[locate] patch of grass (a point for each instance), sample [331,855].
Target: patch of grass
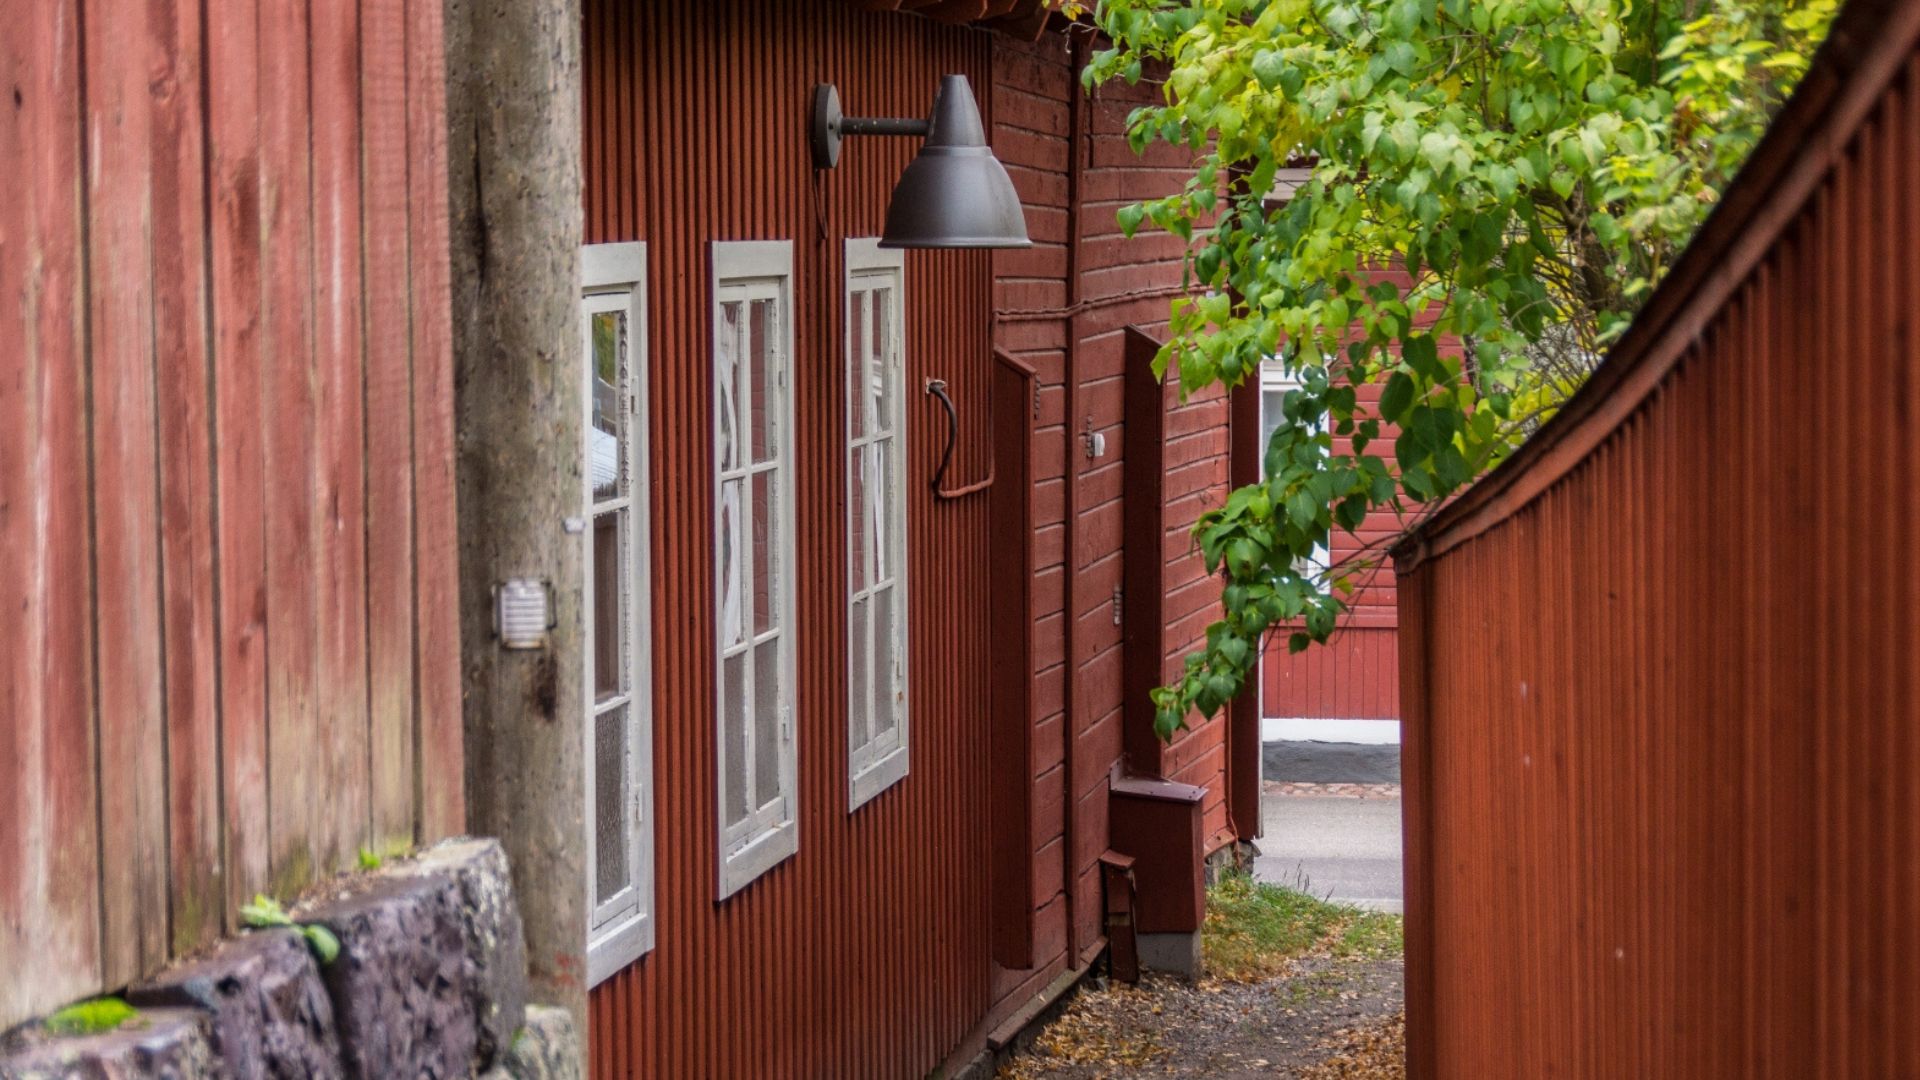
[91,1017]
[1254,930]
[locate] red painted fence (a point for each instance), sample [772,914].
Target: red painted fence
[1662,719]
[230,655]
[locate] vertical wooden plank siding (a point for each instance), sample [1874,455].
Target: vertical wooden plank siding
[177,265]
[118,48]
[1010,600]
[49,859]
[296,757]
[389,421]
[340,435]
[1144,619]
[240,420]
[1354,676]
[868,953]
[1660,705]
[211,333]
[439,756]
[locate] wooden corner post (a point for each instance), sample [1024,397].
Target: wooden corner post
[514,164]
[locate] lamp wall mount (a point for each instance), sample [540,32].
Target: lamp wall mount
[829,125]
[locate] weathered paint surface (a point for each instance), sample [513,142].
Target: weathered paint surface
[221,331]
[1661,709]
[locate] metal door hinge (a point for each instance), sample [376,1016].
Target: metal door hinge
[1116,605]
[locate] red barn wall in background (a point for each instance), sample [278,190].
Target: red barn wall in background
[226,470]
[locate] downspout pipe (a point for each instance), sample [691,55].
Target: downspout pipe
[1077,130]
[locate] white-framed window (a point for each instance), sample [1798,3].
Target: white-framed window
[619,758]
[876,520]
[753,557]
[1275,381]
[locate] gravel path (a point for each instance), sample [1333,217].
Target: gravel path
[1324,1017]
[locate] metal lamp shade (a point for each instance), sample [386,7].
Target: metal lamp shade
[955,194]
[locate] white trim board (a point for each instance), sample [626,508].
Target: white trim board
[1316,729]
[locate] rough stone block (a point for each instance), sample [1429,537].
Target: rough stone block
[271,1016]
[546,1048]
[401,986]
[495,941]
[159,1044]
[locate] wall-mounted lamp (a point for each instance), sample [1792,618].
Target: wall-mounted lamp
[955,194]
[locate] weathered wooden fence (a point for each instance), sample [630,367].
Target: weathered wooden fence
[1659,672]
[230,653]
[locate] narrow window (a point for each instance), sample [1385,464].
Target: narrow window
[617,601]
[753,557]
[1275,382]
[876,522]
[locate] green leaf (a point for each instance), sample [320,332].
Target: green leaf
[1268,65]
[1397,397]
[265,911]
[326,947]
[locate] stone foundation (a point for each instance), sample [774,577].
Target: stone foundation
[430,983]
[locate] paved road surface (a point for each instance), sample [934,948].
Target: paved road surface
[1345,849]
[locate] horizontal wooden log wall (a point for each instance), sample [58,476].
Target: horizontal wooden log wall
[1064,306]
[1662,719]
[230,656]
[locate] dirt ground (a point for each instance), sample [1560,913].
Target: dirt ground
[1327,1008]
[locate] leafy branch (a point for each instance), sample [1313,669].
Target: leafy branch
[1494,186]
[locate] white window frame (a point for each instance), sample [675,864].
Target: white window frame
[744,271]
[621,930]
[876,766]
[1275,378]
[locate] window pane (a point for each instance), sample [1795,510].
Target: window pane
[610,800]
[733,713]
[766,556]
[726,383]
[1272,403]
[856,360]
[764,373]
[609,603]
[885,686]
[766,719]
[732,599]
[606,450]
[880,482]
[880,377]
[857,519]
[859,646]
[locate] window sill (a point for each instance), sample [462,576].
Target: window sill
[876,778]
[617,947]
[739,870]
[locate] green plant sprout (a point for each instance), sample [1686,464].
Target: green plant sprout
[265,911]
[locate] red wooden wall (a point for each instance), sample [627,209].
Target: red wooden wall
[1063,307]
[1662,715]
[868,952]
[692,136]
[231,656]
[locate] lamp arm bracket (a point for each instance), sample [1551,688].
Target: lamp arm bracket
[827,125]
